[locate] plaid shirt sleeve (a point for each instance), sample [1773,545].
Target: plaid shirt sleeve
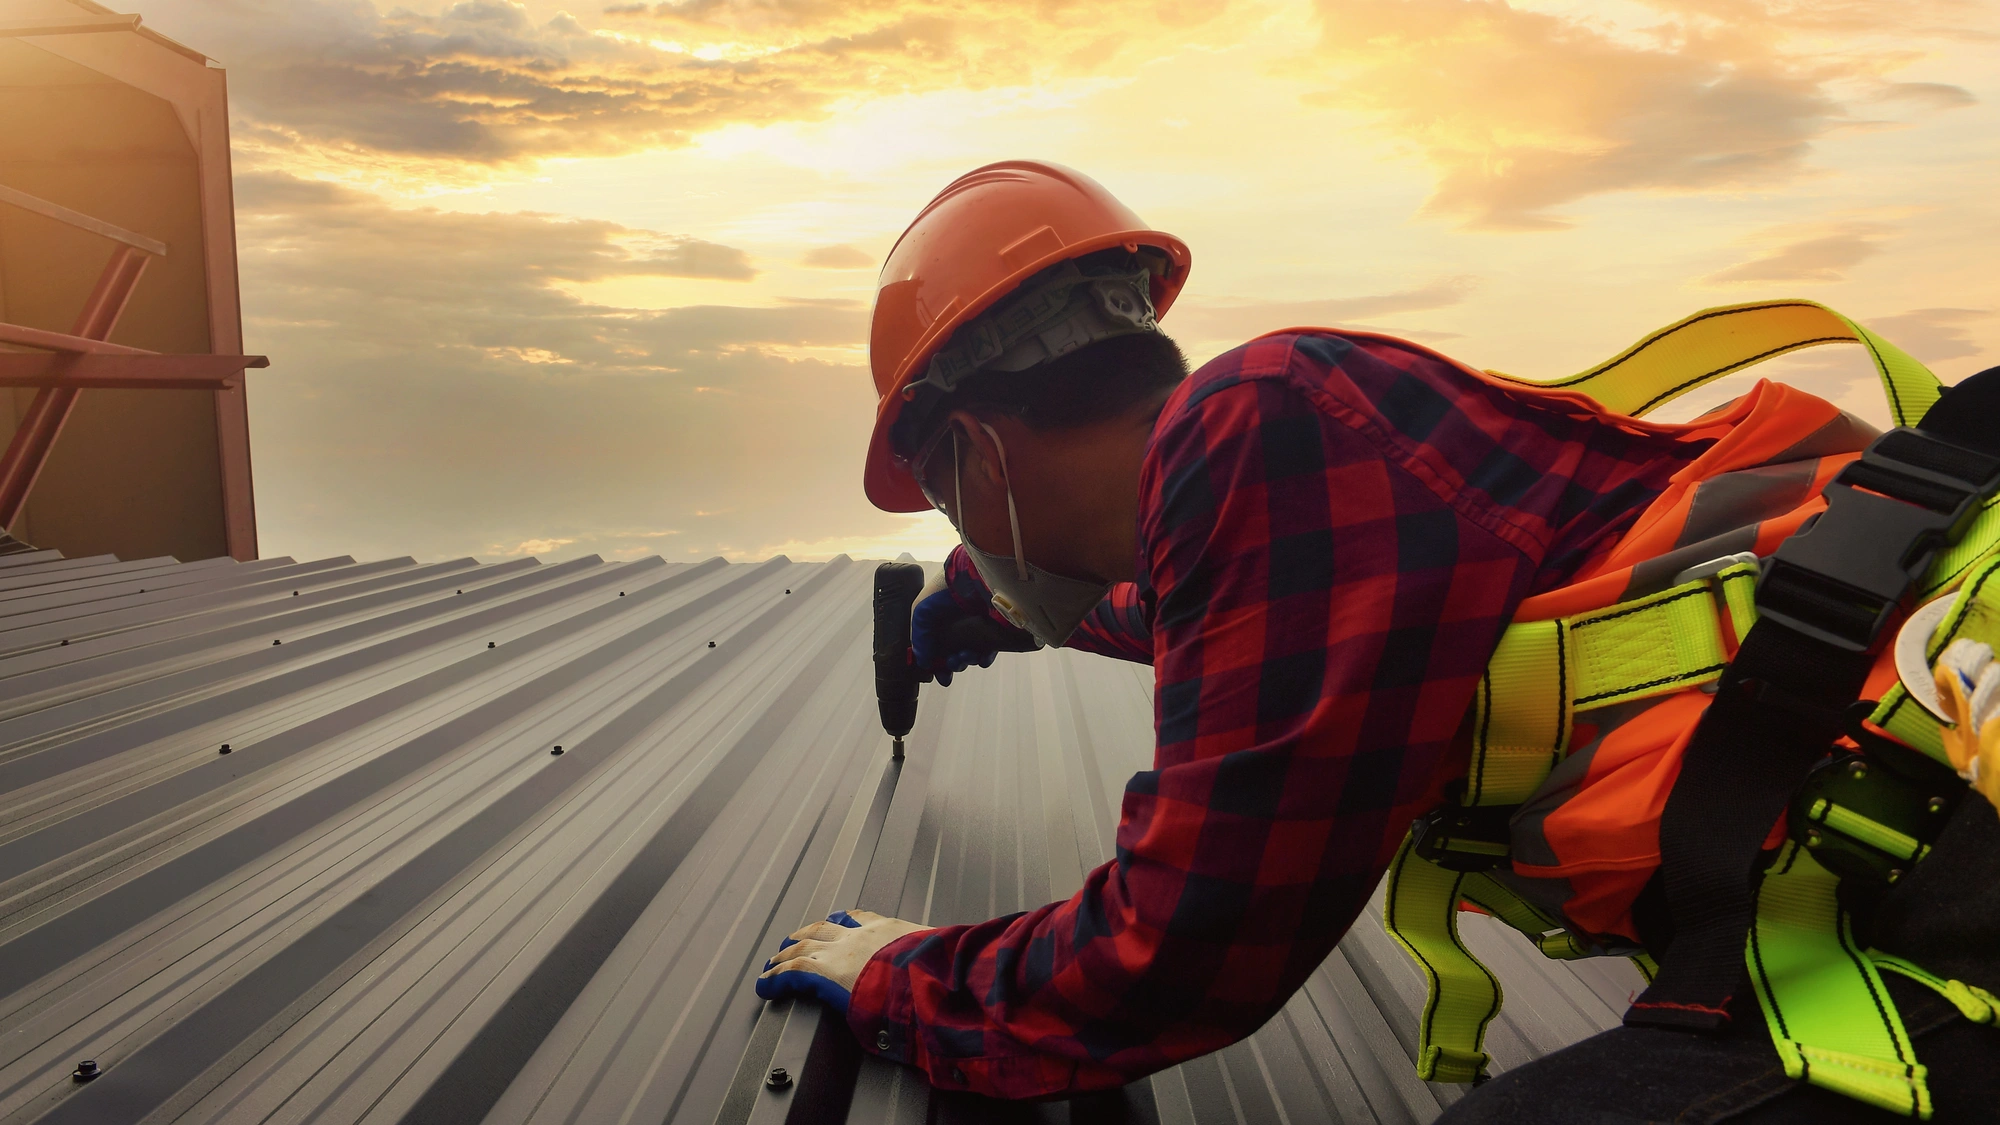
[1333,536]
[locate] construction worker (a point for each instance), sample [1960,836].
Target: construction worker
[1508,643]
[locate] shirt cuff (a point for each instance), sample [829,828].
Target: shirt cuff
[879,1009]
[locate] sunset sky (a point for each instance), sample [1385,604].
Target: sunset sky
[596,279]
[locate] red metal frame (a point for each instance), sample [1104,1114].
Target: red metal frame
[83,358]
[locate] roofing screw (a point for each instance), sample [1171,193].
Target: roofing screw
[489,644]
[621,593]
[1812,838]
[881,1040]
[295,593]
[65,642]
[276,641]
[787,591]
[778,1078]
[556,752]
[86,1070]
[458,591]
[711,644]
[225,749]
[1935,804]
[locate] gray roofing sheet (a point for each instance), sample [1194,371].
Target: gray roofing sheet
[390,901]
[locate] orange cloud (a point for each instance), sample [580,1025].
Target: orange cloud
[1816,253]
[484,82]
[1522,111]
[837,258]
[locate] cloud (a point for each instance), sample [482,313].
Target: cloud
[419,279]
[841,257]
[532,547]
[1929,95]
[1236,320]
[1814,254]
[482,81]
[1933,335]
[437,388]
[1520,111]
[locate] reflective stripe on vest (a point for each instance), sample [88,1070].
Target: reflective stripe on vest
[1543,672]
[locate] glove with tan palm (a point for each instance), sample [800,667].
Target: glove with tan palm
[826,958]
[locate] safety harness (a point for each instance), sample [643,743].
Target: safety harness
[1786,645]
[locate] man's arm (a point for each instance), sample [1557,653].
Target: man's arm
[1323,617]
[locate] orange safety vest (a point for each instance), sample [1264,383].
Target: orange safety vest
[1587,840]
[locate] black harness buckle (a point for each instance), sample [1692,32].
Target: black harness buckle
[1888,515]
[1458,838]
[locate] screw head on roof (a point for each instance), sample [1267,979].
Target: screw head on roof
[458,591]
[489,644]
[276,641]
[86,1070]
[787,591]
[65,642]
[295,593]
[621,593]
[225,749]
[778,1078]
[556,751]
[711,644]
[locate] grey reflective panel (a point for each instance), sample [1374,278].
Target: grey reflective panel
[390,901]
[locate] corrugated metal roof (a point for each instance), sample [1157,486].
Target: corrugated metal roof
[389,900]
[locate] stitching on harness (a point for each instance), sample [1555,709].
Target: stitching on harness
[1662,682]
[1702,589]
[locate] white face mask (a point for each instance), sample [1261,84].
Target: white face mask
[1049,606]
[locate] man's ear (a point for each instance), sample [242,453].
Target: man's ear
[982,460]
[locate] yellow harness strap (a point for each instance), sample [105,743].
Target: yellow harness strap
[1420,910]
[1543,672]
[1830,1018]
[1721,341]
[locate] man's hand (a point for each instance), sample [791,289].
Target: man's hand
[826,958]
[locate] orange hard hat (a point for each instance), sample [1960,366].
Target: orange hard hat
[990,230]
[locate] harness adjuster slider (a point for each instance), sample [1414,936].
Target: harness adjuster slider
[1460,838]
[1870,817]
[1887,515]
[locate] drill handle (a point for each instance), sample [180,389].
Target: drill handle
[897,585]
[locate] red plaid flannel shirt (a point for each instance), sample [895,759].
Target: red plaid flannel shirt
[1333,530]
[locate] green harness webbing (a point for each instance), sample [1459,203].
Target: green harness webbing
[1830,1018]
[1543,672]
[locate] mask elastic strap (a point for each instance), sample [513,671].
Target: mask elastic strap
[1013,517]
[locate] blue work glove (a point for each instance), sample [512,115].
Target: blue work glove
[941,643]
[824,959]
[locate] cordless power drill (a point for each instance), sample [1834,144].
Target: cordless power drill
[897,587]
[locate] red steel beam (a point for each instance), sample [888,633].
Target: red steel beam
[137,372]
[62,341]
[36,434]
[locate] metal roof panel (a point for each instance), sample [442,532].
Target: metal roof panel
[390,901]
